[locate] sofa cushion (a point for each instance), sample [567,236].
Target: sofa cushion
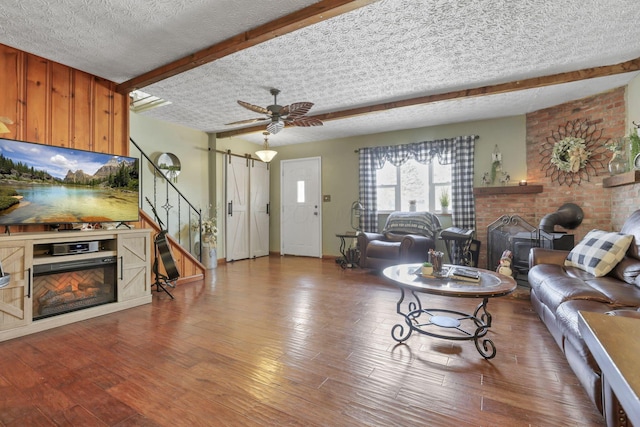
[632,226]
[599,252]
[383,249]
[627,270]
[619,293]
[553,286]
[393,237]
[567,318]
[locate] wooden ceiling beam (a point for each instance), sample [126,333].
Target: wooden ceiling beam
[532,83]
[317,12]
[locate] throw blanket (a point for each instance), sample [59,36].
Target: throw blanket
[423,223]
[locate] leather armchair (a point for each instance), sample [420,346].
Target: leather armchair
[406,238]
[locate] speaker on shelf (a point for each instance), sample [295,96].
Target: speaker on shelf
[74,248]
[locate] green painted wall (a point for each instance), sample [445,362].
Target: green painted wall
[339,161]
[190,146]
[340,165]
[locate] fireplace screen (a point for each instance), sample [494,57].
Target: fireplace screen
[511,232]
[501,234]
[68,286]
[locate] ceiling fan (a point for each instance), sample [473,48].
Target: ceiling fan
[279,116]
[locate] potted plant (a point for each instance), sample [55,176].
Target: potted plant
[444,200]
[427,269]
[634,148]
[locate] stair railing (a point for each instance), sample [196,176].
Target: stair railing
[182,220]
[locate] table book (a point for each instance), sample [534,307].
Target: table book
[464,274]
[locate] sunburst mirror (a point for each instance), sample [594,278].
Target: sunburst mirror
[574,152]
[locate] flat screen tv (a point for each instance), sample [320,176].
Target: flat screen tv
[42,184]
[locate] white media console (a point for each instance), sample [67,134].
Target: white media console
[34,263]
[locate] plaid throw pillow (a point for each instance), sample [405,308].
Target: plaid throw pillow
[599,252]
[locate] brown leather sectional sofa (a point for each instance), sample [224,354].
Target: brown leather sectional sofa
[558,293]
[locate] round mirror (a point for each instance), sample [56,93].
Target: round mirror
[169,164]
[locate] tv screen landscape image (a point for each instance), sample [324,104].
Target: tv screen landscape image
[43,184]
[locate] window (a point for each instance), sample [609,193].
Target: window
[300,187]
[396,186]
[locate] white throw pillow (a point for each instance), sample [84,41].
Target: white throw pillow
[599,252]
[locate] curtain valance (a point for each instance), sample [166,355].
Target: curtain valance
[457,152]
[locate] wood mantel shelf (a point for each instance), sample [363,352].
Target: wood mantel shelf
[626,178]
[507,189]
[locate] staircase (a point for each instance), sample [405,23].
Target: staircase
[181,219]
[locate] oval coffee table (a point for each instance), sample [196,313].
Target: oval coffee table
[444,323]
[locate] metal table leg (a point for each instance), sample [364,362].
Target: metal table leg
[430,321]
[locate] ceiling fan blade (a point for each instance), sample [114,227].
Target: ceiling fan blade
[306,122]
[275,127]
[298,109]
[246,122]
[254,108]
[278,115]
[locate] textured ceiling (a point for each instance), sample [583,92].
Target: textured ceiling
[387,51]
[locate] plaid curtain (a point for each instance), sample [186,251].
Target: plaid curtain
[457,151]
[463,204]
[371,158]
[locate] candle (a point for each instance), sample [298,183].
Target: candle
[523,182]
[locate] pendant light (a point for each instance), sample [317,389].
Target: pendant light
[266,155]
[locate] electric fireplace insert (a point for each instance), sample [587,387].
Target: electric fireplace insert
[62,287]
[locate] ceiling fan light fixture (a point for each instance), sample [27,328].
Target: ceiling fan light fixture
[280,116]
[266,155]
[275,126]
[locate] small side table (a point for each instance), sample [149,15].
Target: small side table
[350,257]
[614,342]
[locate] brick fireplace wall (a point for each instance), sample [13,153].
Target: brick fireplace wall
[604,208]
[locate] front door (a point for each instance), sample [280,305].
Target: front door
[301,216]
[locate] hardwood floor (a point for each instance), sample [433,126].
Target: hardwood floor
[287,341]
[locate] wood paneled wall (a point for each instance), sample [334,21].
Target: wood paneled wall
[53,104]
[50,103]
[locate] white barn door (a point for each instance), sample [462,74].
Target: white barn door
[259,209]
[236,207]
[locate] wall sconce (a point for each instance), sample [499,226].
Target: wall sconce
[265,154]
